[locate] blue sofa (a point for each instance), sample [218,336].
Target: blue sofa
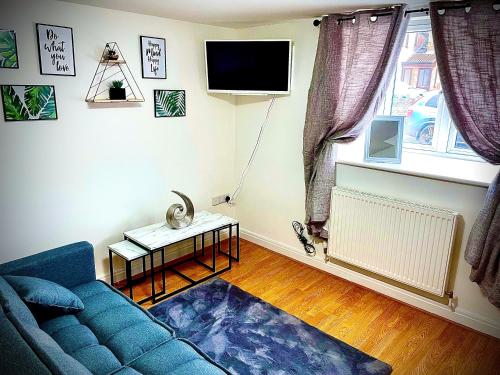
[112,335]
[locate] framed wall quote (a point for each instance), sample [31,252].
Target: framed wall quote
[55,50]
[153,57]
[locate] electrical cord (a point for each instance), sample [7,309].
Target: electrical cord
[252,156]
[299,231]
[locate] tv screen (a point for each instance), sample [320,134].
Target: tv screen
[248,66]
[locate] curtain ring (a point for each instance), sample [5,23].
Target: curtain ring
[373,18]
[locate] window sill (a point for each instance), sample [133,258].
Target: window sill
[424,164]
[449,155]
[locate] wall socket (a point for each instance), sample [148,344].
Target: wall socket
[219,199]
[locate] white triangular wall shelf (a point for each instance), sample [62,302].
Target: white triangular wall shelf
[113,70]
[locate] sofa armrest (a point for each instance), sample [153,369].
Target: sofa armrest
[69,265]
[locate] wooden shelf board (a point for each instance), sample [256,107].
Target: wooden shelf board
[112,61]
[114,101]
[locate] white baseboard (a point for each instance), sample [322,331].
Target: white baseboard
[459,316]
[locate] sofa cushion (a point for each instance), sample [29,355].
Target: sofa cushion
[125,370]
[199,366]
[45,295]
[174,357]
[10,302]
[136,340]
[48,350]
[53,325]
[98,359]
[84,291]
[75,337]
[99,303]
[111,321]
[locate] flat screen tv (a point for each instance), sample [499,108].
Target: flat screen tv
[248,66]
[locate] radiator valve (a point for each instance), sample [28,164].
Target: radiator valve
[325,251]
[452,302]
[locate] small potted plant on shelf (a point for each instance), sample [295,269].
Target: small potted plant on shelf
[116,91]
[112,55]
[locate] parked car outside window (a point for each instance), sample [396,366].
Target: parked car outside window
[420,119]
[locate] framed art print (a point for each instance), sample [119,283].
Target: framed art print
[29,102]
[384,139]
[170,103]
[55,50]
[8,49]
[153,57]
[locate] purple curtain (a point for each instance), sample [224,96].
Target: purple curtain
[467,46]
[353,63]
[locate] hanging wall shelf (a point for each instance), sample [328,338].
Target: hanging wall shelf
[109,70]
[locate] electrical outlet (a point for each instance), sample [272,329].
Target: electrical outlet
[219,199]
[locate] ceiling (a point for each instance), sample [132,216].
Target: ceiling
[239,13]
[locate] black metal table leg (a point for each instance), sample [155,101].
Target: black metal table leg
[144,267]
[237,257]
[163,269]
[203,244]
[111,276]
[213,251]
[128,271]
[230,245]
[238,242]
[151,257]
[194,247]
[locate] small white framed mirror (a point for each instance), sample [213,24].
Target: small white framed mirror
[384,140]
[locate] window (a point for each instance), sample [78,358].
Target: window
[424,79]
[406,76]
[415,93]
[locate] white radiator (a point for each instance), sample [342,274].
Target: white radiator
[404,241]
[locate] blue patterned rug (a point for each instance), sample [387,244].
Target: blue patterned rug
[249,336]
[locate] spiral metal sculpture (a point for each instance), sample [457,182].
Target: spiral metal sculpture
[178,217]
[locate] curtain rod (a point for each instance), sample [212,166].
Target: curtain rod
[317,22]
[384,12]
[426,10]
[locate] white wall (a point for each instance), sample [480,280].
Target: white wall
[100,170]
[274,193]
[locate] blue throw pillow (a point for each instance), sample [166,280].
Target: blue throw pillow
[45,296]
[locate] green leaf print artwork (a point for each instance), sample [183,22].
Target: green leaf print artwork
[170,103]
[24,103]
[8,49]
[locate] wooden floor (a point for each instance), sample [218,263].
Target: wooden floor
[411,341]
